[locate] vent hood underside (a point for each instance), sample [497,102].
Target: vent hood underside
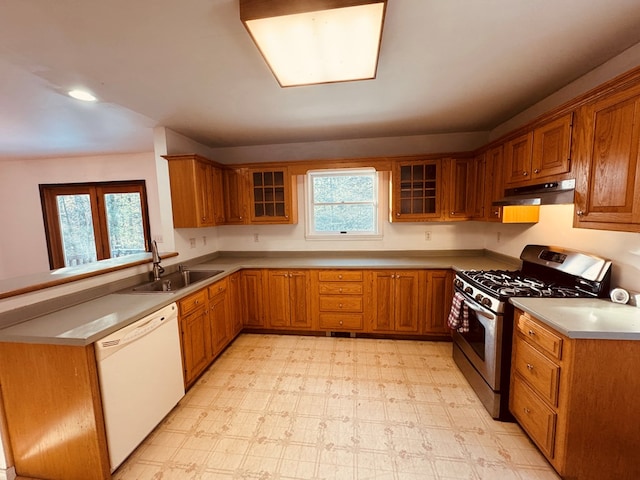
[551,193]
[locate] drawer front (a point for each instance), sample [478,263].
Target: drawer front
[218,287]
[193,301]
[540,336]
[340,275]
[338,303]
[539,372]
[337,288]
[341,321]
[537,418]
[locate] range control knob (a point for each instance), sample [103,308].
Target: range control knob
[479,297]
[486,302]
[468,290]
[458,283]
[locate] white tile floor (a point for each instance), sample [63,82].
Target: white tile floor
[298,407]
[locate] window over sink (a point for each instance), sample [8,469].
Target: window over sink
[87,222]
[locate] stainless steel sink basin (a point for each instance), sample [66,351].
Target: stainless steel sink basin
[175,281]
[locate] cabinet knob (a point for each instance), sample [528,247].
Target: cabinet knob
[340,305]
[398,214]
[527,411]
[580,213]
[453,213]
[537,170]
[197,302]
[496,212]
[529,367]
[340,277]
[340,322]
[340,290]
[531,333]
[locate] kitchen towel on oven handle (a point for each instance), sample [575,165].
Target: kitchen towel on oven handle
[459,314]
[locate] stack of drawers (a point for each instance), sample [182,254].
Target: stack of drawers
[341,300]
[535,382]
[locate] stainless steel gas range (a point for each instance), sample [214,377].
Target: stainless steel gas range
[482,342]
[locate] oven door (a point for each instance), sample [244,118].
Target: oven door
[482,344]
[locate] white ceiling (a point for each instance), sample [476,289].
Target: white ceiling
[445,66]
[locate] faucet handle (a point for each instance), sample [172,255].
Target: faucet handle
[182,268]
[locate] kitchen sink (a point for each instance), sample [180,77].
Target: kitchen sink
[174,281]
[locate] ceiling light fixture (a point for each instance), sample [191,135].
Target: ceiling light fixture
[316,41]
[82,95]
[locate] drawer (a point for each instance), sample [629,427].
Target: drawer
[339,303]
[193,301]
[338,288]
[341,321]
[537,370]
[340,275]
[537,418]
[541,337]
[218,287]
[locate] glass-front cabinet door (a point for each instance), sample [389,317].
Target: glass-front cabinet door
[271,196]
[416,191]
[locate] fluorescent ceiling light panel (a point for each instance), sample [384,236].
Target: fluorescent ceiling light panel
[321,46]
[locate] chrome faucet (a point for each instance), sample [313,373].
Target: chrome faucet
[157,269]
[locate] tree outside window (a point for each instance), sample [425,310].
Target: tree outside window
[88,222]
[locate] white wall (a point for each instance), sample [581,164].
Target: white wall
[354,148]
[397,236]
[23,239]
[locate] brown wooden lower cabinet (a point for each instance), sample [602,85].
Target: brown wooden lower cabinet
[251,295]
[288,305]
[577,399]
[438,304]
[54,413]
[206,327]
[397,300]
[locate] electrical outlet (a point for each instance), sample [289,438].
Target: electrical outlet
[192,242]
[427,236]
[256,237]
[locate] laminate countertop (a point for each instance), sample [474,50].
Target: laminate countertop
[87,322]
[584,318]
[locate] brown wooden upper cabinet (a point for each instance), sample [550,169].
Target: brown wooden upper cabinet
[196,191]
[539,155]
[608,179]
[235,203]
[464,188]
[416,191]
[494,183]
[273,196]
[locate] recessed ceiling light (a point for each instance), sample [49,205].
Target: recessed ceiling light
[82,95]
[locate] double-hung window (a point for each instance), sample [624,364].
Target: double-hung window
[342,203]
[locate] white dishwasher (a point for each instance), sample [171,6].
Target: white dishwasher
[140,371]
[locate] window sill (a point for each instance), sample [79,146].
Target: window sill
[343,237]
[12,287]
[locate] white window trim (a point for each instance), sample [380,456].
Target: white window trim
[310,234]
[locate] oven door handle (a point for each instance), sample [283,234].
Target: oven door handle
[481,311]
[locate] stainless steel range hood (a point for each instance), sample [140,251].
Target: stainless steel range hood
[551,193]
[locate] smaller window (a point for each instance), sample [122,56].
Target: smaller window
[342,203]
